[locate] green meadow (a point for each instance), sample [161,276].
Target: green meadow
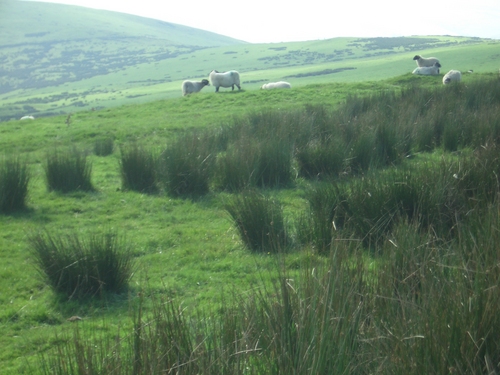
[389,285]
[59,59]
[348,225]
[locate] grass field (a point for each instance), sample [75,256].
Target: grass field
[403,297]
[186,250]
[68,59]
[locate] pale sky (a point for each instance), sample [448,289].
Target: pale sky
[274,21]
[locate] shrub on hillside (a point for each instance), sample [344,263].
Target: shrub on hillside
[138,168]
[260,222]
[235,168]
[320,160]
[81,267]
[14,179]
[68,170]
[186,165]
[103,146]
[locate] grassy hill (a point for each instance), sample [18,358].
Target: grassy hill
[188,250]
[43,45]
[62,59]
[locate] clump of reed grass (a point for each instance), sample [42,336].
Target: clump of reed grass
[259,221]
[321,160]
[235,168]
[307,323]
[138,169]
[186,165]
[68,170]
[14,180]
[79,267]
[103,146]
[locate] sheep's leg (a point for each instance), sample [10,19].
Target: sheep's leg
[239,87]
[232,87]
[216,88]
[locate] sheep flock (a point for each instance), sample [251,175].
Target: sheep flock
[429,66]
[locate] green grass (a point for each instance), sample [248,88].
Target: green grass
[129,61]
[188,251]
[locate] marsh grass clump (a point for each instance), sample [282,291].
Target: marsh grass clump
[68,170]
[272,328]
[274,164]
[138,169]
[235,168]
[82,267]
[321,160]
[103,146]
[259,221]
[186,165]
[14,180]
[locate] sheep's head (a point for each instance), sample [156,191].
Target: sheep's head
[205,82]
[437,64]
[417,57]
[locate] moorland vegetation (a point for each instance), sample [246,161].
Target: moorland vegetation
[60,59]
[356,235]
[349,225]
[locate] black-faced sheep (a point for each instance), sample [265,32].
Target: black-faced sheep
[428,70]
[227,79]
[276,85]
[452,76]
[190,87]
[425,61]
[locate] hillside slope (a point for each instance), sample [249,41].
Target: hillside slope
[59,59]
[43,44]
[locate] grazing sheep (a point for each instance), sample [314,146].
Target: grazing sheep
[27,118]
[428,70]
[190,87]
[425,61]
[452,76]
[276,85]
[227,79]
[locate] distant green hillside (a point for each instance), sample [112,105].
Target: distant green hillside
[43,44]
[57,59]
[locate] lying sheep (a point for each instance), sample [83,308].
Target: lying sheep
[425,61]
[428,70]
[227,79]
[190,87]
[452,76]
[276,85]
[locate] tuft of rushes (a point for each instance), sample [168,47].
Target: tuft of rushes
[14,179]
[259,220]
[68,170]
[103,146]
[82,267]
[186,165]
[138,169]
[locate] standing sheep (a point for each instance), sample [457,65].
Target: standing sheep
[276,85]
[227,79]
[190,87]
[452,76]
[428,70]
[425,61]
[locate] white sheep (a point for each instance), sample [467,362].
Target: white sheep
[227,79]
[425,61]
[190,87]
[27,118]
[452,76]
[428,70]
[276,85]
